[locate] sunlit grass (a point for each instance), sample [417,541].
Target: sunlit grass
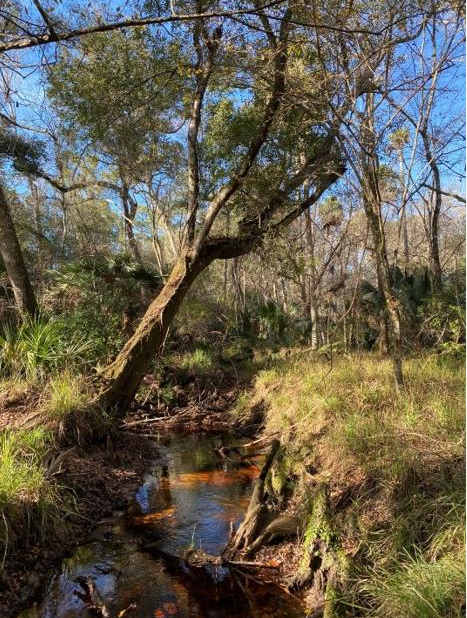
[201,360]
[421,589]
[66,392]
[347,422]
[29,500]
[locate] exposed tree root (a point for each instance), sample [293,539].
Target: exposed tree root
[324,564]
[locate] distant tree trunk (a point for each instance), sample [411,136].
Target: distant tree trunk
[129,210]
[373,212]
[313,302]
[405,238]
[435,262]
[14,262]
[391,301]
[314,317]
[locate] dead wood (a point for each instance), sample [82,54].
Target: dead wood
[258,515]
[92,597]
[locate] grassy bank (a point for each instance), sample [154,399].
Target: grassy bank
[394,466]
[44,404]
[31,503]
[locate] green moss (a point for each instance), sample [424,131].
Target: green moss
[322,550]
[320,536]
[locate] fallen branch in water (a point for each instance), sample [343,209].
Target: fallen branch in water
[258,565]
[92,597]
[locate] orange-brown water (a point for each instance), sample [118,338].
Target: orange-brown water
[189,499]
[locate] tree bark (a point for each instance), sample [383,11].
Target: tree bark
[125,373]
[314,317]
[129,210]
[14,262]
[435,262]
[373,212]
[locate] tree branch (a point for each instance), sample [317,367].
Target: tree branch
[44,39]
[278,91]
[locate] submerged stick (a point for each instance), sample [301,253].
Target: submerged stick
[92,597]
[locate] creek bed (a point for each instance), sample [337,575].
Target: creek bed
[188,500]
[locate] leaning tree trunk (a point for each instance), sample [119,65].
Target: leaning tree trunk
[14,262]
[124,374]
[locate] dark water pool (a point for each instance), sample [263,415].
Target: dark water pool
[187,500]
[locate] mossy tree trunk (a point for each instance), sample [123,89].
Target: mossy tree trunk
[123,376]
[324,563]
[13,260]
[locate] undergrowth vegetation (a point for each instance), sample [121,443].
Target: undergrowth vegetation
[41,381]
[36,347]
[400,459]
[30,501]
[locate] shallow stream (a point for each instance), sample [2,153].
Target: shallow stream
[187,500]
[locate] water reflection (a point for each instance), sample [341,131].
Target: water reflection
[189,499]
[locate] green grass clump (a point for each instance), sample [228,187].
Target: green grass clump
[30,502]
[420,588]
[68,409]
[66,394]
[201,360]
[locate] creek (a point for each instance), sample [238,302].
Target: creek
[187,500]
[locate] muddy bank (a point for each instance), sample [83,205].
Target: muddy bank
[98,482]
[207,411]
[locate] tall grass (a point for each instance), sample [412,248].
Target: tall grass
[30,502]
[403,457]
[420,588]
[66,392]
